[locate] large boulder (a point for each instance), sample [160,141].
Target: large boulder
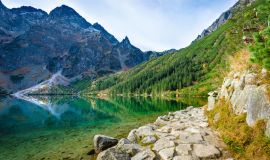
[258,106]
[102,142]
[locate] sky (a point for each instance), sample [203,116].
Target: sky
[149,24]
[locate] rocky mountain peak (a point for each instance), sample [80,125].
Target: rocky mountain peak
[66,14]
[126,41]
[63,11]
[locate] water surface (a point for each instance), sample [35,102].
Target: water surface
[59,127]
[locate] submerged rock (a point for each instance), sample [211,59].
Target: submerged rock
[102,142]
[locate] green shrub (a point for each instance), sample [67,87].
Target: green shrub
[260,50]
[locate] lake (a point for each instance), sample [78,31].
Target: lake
[62,127]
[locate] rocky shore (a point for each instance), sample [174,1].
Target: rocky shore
[181,135]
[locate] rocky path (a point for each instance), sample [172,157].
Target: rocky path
[182,135]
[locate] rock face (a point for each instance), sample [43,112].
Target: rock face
[246,95]
[102,142]
[61,40]
[182,135]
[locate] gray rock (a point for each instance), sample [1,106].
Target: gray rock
[167,153]
[149,140]
[250,78]
[144,155]
[126,146]
[132,136]
[113,154]
[264,72]
[183,149]
[206,151]
[162,144]
[192,130]
[191,138]
[211,103]
[145,131]
[102,142]
[258,105]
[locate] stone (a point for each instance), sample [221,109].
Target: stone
[258,105]
[144,155]
[145,131]
[192,130]
[160,122]
[206,151]
[163,143]
[250,78]
[165,129]
[203,124]
[167,153]
[183,158]
[126,146]
[170,137]
[132,136]
[183,149]
[149,140]
[113,154]
[264,72]
[102,142]
[189,108]
[191,138]
[211,103]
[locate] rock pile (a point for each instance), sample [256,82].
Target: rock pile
[182,135]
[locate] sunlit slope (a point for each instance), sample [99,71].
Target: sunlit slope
[195,69]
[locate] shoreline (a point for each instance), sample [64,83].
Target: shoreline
[183,134]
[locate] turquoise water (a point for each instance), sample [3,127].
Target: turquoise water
[63,127]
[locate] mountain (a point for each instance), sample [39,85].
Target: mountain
[34,45]
[196,69]
[224,17]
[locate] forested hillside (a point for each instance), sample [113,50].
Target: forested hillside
[197,68]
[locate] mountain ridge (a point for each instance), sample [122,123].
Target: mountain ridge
[59,40]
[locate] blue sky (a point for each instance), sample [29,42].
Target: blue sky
[149,24]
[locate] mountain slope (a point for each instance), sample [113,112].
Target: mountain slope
[201,65]
[34,45]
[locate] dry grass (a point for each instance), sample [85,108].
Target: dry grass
[243,141]
[240,61]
